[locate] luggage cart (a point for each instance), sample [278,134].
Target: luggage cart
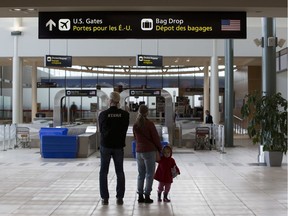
[22,137]
[202,138]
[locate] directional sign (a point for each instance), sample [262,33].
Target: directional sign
[74,93]
[145,92]
[142,24]
[46,84]
[150,60]
[58,61]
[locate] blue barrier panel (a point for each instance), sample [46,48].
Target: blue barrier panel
[58,146]
[53,131]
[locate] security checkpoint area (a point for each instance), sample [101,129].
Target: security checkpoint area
[84,136]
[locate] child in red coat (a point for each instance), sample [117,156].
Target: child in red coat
[165,173]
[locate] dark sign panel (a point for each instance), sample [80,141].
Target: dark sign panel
[46,84]
[145,92]
[150,60]
[58,61]
[88,93]
[142,24]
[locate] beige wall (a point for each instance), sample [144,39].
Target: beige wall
[246,79]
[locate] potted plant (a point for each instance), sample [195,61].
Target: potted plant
[267,124]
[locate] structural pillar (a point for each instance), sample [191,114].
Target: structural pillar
[34,91]
[16,78]
[206,94]
[214,87]
[269,44]
[229,93]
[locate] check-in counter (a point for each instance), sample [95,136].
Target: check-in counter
[87,145]
[128,152]
[87,142]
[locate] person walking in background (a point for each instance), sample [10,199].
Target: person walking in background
[113,126]
[147,143]
[165,172]
[208,118]
[73,112]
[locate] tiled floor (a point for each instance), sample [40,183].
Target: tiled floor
[210,184]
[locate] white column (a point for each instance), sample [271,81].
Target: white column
[214,96]
[34,91]
[21,90]
[16,85]
[192,102]
[206,95]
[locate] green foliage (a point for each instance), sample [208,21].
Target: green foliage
[267,120]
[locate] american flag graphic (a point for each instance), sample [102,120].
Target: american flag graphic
[230,25]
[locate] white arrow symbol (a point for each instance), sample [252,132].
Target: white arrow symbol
[50,23]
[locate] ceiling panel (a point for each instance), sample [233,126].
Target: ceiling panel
[255,8]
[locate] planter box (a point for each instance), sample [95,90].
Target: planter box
[273,159]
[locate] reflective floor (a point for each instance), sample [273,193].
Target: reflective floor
[210,184]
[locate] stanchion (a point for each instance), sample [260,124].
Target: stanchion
[9,134]
[222,140]
[4,138]
[217,137]
[12,135]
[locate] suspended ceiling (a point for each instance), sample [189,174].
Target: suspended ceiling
[255,8]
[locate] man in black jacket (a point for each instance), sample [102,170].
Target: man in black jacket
[209,118]
[113,125]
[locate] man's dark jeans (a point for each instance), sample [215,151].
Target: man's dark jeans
[118,156]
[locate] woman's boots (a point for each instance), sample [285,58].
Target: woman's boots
[147,199]
[159,197]
[141,198]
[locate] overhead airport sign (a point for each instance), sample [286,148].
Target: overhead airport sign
[46,84]
[142,24]
[58,61]
[80,92]
[145,92]
[150,60]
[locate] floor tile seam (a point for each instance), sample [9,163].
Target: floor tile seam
[202,195]
[59,204]
[258,188]
[67,197]
[232,192]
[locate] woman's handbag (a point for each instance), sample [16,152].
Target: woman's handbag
[174,171]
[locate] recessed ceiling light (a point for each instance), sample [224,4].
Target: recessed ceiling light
[25,10]
[15,9]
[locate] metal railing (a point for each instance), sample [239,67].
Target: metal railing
[7,136]
[217,136]
[238,125]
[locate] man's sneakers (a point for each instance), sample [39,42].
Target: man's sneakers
[119,201]
[105,201]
